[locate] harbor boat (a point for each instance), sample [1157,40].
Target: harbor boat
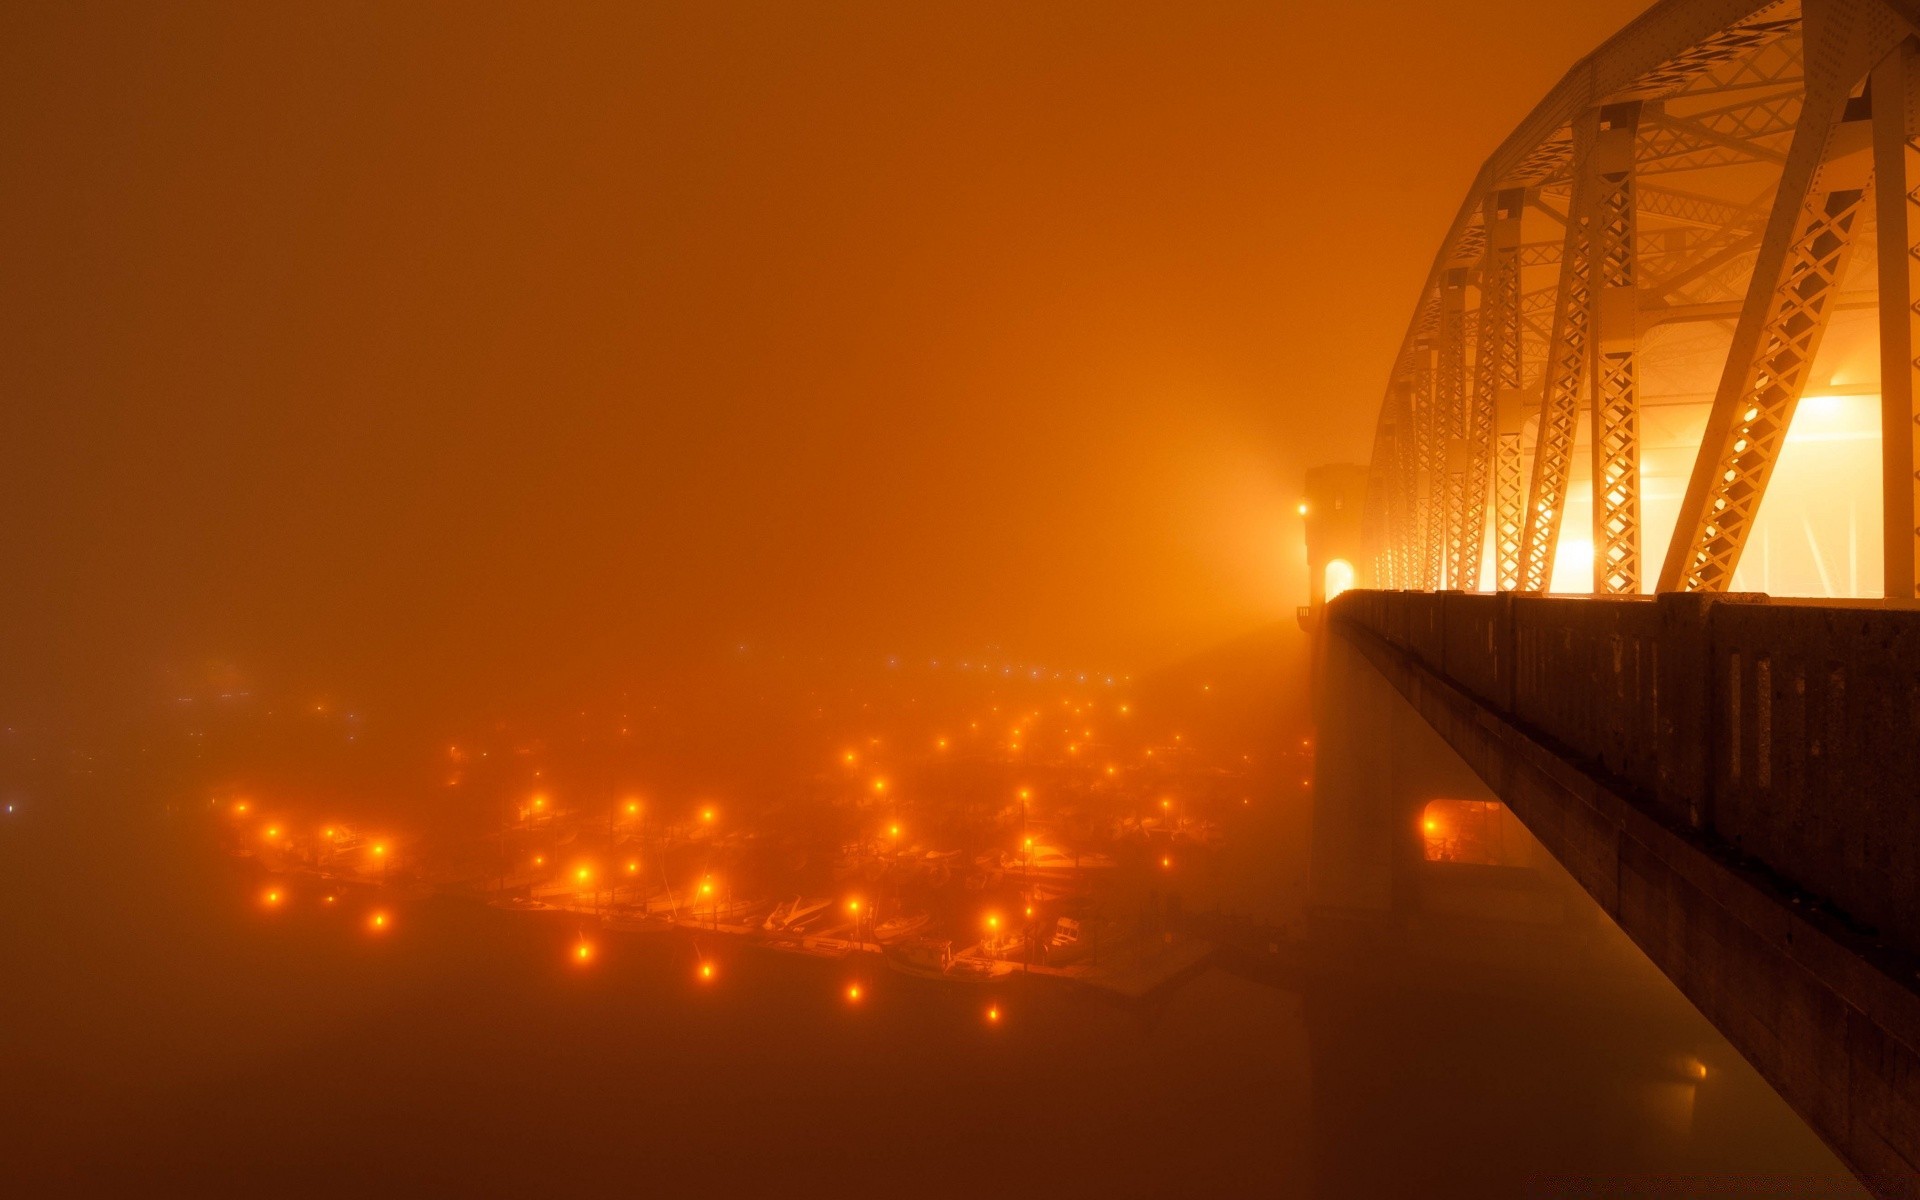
[926,958]
[708,911]
[930,958]
[1008,947]
[896,927]
[976,970]
[1067,944]
[793,916]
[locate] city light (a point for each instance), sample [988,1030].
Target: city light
[378,922]
[706,971]
[583,953]
[272,897]
[993,1014]
[853,992]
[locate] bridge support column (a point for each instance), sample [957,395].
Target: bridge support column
[1376,765]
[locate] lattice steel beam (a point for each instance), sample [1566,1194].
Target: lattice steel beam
[1429,442]
[1565,373]
[1614,323]
[1817,208]
[1496,372]
[1450,396]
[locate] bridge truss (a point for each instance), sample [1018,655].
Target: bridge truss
[1685,205]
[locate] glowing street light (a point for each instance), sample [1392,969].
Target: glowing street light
[706,972]
[583,953]
[853,993]
[993,1014]
[378,922]
[272,898]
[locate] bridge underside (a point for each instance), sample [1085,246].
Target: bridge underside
[1828,1016]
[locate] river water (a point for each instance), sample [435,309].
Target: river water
[165,1033]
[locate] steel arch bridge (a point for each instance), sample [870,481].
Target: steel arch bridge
[1678,223]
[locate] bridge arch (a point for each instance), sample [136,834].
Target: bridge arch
[1704,240]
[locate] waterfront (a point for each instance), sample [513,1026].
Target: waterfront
[166,1033]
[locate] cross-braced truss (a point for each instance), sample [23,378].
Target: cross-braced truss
[1684,203]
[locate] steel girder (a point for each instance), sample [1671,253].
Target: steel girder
[1613,326]
[1496,375]
[1450,402]
[1712,163]
[1810,234]
[1565,371]
[1895,93]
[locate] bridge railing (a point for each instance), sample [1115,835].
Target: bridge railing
[1786,730]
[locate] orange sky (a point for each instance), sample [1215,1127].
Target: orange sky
[453,349]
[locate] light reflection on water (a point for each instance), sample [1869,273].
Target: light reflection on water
[172,1033]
